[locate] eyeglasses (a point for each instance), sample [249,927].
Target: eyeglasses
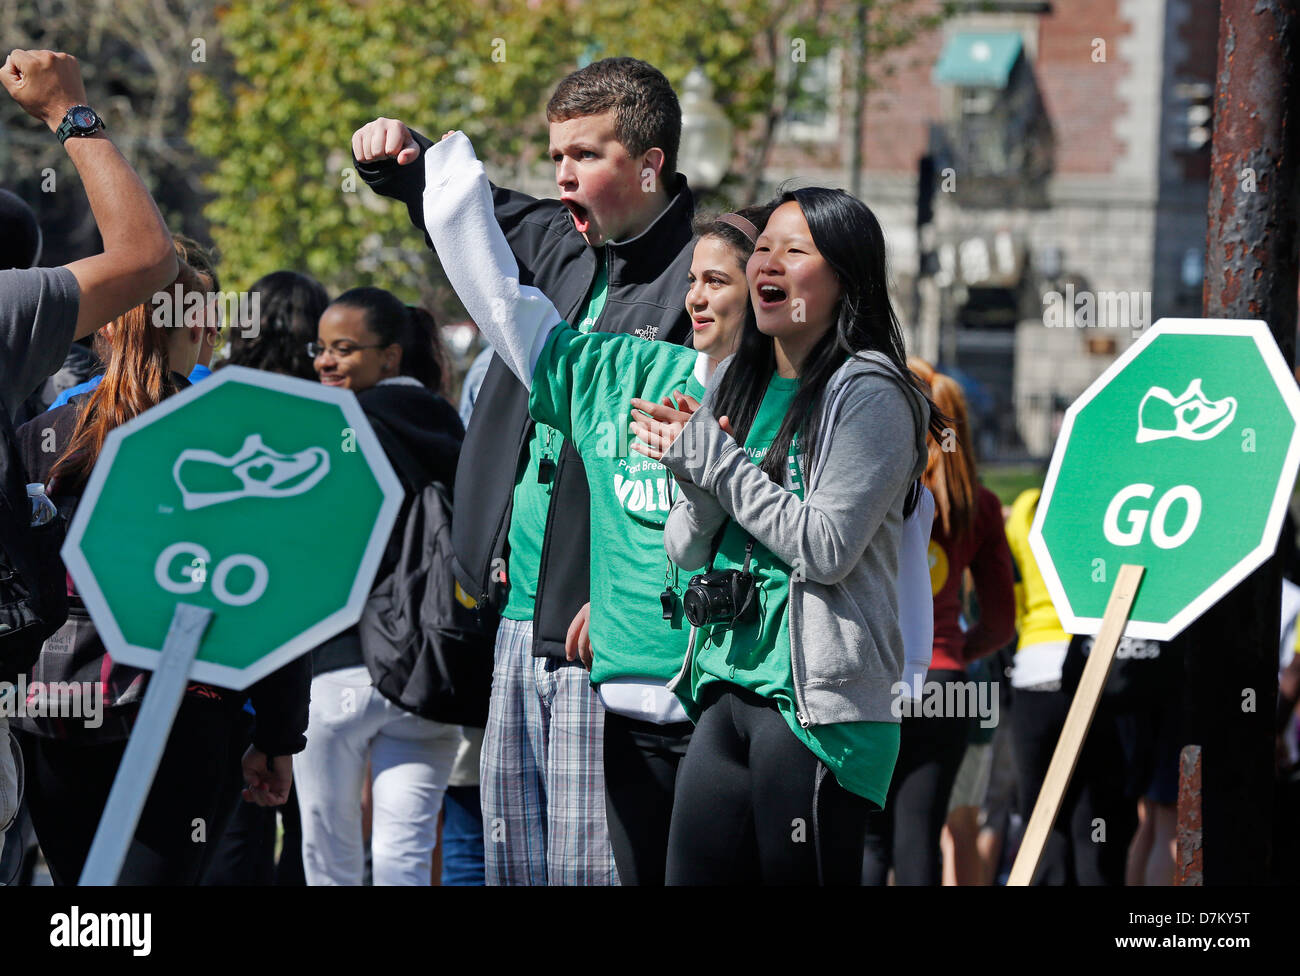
[338,350]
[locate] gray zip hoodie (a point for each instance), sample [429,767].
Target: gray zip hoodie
[841,540]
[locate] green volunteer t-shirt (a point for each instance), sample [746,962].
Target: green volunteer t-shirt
[532,495]
[582,386]
[756,654]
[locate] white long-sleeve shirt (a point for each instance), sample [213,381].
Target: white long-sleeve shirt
[458,216]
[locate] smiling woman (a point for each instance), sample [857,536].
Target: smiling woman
[367,336]
[369,342]
[718,294]
[358,339]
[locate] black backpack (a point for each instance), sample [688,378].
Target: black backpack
[33,584]
[427,648]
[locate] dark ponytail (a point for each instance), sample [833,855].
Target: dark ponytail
[423,356]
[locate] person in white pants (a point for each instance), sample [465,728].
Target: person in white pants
[371,344]
[411,760]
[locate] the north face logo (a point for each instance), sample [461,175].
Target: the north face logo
[650,332]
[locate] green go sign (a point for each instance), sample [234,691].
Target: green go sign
[265,499]
[1180,458]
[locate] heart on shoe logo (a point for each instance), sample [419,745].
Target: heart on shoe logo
[1191,416]
[263,473]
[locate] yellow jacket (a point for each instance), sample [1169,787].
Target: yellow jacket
[1036,618]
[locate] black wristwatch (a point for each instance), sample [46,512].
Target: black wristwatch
[80,120]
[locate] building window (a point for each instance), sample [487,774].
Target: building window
[812,115]
[995,131]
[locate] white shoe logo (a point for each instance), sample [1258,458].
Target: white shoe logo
[1190,416]
[264,473]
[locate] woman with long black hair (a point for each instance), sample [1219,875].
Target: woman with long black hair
[290,304]
[797,472]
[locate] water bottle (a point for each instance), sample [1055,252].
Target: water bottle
[43,509]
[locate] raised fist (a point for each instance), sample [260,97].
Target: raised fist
[384,139]
[45,83]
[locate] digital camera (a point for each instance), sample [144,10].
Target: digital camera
[719,597]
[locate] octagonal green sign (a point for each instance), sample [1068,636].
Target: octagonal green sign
[264,498]
[1181,458]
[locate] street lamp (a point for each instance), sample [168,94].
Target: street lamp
[705,150]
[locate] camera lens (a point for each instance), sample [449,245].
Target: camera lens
[696,607]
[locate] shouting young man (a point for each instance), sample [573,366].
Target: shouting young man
[613,254]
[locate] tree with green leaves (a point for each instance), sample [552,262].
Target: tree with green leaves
[136,57]
[300,79]
[288,84]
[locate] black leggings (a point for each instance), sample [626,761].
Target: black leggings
[906,833]
[183,818]
[755,806]
[641,762]
[245,855]
[1089,841]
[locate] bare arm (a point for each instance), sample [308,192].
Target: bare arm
[138,258]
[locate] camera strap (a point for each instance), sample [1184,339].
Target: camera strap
[668,598]
[749,594]
[744,569]
[717,544]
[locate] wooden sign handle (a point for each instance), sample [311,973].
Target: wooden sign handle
[1077,721]
[144,749]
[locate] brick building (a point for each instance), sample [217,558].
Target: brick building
[1069,142]
[1070,155]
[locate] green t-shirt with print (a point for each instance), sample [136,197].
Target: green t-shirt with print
[532,495]
[582,386]
[756,654]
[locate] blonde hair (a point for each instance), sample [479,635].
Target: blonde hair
[137,376]
[950,468]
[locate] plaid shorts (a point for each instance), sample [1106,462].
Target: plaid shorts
[542,772]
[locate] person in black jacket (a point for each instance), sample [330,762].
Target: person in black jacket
[372,344]
[290,304]
[71,765]
[613,254]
